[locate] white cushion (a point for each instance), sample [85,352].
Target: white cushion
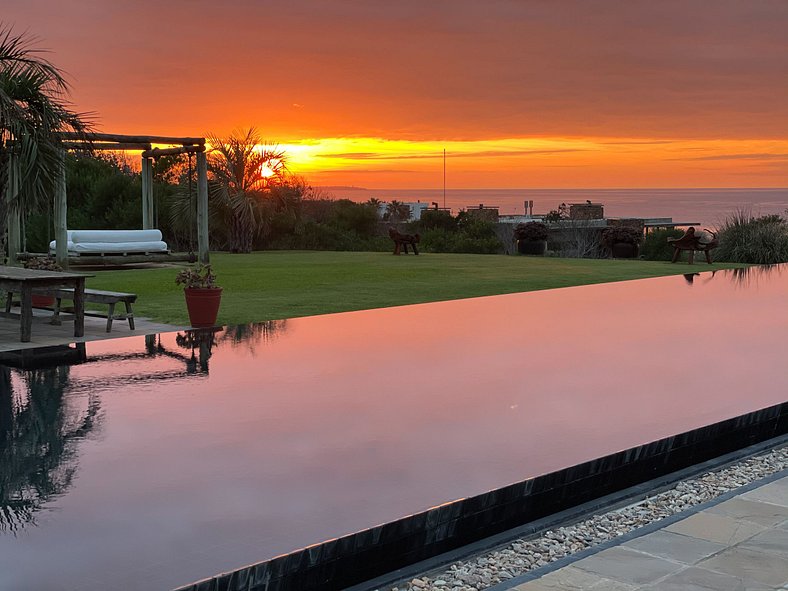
[106,236]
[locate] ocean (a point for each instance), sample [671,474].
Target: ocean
[707,207]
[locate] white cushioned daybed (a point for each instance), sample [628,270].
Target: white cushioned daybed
[113,242]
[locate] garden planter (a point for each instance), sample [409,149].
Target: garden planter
[43,301]
[538,247]
[624,250]
[203,305]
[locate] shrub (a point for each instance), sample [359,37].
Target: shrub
[626,234]
[757,240]
[432,219]
[42,264]
[655,246]
[531,231]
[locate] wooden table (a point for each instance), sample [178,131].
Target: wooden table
[25,281]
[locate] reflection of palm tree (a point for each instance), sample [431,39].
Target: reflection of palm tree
[252,335]
[38,436]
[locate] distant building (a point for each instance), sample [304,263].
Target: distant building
[486,213]
[586,211]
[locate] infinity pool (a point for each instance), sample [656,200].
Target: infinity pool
[151,462]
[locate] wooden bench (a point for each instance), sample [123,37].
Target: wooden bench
[94,296]
[690,242]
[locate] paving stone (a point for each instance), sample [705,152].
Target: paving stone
[698,579]
[715,528]
[765,514]
[751,565]
[673,546]
[775,493]
[571,578]
[628,566]
[774,541]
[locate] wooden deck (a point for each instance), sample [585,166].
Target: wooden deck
[45,334]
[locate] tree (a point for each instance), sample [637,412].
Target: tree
[244,170]
[34,107]
[396,211]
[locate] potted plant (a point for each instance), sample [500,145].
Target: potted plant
[531,238]
[42,264]
[203,296]
[623,241]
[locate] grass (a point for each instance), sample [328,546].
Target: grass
[286,284]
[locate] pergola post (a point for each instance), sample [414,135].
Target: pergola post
[61,214]
[14,212]
[147,193]
[202,208]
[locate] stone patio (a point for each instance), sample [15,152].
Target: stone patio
[46,334]
[737,545]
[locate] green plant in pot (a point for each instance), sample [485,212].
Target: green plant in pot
[203,296]
[42,264]
[531,238]
[623,241]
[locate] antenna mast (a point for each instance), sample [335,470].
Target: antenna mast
[444,178]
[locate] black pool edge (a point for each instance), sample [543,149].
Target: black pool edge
[359,558]
[572,515]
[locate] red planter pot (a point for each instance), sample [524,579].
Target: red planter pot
[624,250]
[42,301]
[203,305]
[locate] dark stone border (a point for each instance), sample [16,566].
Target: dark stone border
[355,558]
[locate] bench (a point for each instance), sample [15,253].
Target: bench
[704,241]
[94,296]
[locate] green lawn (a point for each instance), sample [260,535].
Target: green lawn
[286,284]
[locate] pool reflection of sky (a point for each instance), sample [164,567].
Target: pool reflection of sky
[295,432]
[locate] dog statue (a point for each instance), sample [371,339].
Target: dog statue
[401,241]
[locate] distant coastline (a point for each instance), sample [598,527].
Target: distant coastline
[706,206]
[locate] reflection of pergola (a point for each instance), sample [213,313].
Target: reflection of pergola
[108,141]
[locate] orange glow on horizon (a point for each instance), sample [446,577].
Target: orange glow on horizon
[540,162]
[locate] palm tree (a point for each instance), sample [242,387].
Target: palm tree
[33,108]
[244,170]
[374,204]
[397,211]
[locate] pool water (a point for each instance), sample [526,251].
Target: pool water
[151,462]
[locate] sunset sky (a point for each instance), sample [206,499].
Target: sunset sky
[521,93]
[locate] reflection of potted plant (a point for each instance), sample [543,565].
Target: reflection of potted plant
[203,296]
[623,241]
[42,264]
[531,238]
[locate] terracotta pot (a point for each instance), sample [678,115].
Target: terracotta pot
[203,305]
[538,247]
[624,250]
[42,301]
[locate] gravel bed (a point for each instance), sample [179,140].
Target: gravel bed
[523,555]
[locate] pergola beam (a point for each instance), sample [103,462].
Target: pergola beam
[156,152]
[91,146]
[136,139]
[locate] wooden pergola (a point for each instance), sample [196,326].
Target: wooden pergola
[115,142]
